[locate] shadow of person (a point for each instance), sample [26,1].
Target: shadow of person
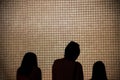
[99,72]
[67,68]
[29,68]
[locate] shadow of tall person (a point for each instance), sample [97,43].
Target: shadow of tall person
[29,68]
[99,72]
[67,68]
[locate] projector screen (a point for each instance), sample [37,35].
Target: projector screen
[45,27]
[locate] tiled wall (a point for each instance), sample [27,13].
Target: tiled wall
[46,26]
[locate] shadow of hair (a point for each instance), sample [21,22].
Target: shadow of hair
[99,72]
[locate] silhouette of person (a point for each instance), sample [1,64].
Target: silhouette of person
[29,68]
[67,68]
[99,72]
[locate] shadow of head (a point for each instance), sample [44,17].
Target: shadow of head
[72,51]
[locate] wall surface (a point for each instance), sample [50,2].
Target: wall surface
[47,26]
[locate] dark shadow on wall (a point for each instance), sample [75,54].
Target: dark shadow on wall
[99,71]
[29,69]
[68,68]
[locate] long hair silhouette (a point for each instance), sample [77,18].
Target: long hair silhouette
[28,63]
[29,68]
[99,72]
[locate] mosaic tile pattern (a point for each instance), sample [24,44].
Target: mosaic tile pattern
[47,26]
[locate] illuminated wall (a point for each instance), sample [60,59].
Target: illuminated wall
[47,26]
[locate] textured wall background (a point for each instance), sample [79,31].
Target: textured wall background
[46,26]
